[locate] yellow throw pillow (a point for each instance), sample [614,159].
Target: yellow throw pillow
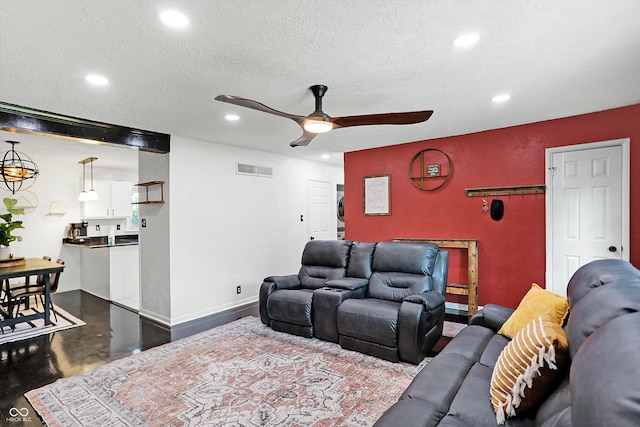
[536,302]
[528,367]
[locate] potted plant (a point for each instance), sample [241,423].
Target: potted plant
[6,228]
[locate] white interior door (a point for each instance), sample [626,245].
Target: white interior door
[321,211]
[586,219]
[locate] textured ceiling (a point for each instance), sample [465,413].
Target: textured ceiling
[556,58]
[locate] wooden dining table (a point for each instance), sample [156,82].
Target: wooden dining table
[32,267]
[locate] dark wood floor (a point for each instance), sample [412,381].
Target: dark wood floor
[112,332]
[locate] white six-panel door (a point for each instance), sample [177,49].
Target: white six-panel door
[586,219]
[321,210]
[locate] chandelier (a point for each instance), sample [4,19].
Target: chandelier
[16,168]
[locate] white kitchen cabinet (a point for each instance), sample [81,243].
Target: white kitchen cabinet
[114,201]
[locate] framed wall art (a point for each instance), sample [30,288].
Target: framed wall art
[377,195]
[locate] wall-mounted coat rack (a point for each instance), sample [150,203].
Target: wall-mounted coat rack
[505,191]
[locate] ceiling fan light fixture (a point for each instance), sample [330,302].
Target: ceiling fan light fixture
[317,126]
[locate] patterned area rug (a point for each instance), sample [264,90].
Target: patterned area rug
[26,330]
[239,374]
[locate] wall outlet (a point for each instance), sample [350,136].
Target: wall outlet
[143,222]
[97,227]
[118,227]
[238,289]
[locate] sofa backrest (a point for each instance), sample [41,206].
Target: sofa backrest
[401,269]
[360,260]
[603,329]
[323,260]
[599,292]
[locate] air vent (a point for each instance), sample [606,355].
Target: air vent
[245,169]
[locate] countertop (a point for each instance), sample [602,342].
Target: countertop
[102,241]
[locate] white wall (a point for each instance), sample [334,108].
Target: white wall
[228,229]
[155,242]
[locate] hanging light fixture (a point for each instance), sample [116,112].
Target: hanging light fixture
[87,196]
[16,168]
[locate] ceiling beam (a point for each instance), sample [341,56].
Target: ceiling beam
[15,118]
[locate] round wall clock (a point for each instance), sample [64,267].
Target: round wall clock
[430,169]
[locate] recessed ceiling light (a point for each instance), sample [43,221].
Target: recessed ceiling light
[173,18]
[96,79]
[465,40]
[232,117]
[501,98]
[326,156]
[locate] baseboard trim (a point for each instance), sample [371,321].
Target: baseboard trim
[194,326]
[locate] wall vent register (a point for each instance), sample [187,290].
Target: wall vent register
[246,169]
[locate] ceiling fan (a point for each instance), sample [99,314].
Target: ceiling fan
[319,122]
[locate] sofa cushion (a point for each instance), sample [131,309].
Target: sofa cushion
[360,259]
[328,253]
[536,302]
[406,257]
[323,260]
[370,320]
[291,306]
[472,405]
[439,383]
[470,342]
[394,286]
[528,367]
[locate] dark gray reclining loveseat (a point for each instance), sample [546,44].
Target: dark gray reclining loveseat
[385,299]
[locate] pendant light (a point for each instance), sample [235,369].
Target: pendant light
[87,196]
[16,168]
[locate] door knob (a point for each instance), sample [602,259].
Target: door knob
[612,249]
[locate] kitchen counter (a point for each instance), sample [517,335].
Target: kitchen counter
[102,241]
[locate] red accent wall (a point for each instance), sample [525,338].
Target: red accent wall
[511,251]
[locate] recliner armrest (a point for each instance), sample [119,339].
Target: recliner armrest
[429,300]
[491,316]
[348,283]
[284,282]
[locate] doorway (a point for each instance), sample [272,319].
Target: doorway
[321,212]
[587,207]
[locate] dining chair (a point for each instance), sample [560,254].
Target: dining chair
[25,293]
[8,288]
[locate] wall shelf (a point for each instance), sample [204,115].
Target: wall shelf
[146,186]
[505,191]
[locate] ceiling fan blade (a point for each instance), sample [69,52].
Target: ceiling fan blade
[383,119]
[255,105]
[304,140]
